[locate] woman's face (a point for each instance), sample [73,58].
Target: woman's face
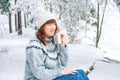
[50,29]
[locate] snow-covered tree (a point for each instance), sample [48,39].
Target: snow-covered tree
[28,8]
[4,6]
[118,3]
[70,12]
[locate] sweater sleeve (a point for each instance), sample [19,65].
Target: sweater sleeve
[35,59]
[64,56]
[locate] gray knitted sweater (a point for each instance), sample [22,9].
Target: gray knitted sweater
[44,62]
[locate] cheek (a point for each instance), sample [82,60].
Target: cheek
[54,28]
[50,29]
[46,28]
[47,31]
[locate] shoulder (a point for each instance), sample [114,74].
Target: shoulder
[34,43]
[34,47]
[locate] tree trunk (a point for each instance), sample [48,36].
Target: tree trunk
[16,25]
[10,23]
[97,40]
[60,8]
[25,20]
[99,27]
[19,23]
[51,8]
[102,18]
[16,22]
[15,1]
[86,18]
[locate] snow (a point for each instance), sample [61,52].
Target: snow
[81,56]
[110,40]
[105,71]
[12,59]
[104,61]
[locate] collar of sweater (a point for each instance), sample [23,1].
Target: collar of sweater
[50,39]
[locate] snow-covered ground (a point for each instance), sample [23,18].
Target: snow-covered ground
[109,42]
[103,62]
[82,56]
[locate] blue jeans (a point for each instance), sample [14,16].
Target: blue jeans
[79,75]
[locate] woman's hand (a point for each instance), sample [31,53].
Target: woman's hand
[64,72]
[63,40]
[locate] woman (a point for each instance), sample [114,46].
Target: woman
[46,60]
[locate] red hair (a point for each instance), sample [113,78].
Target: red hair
[41,33]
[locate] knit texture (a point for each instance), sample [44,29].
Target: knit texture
[43,16]
[44,62]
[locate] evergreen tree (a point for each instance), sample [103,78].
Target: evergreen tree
[4,6]
[117,2]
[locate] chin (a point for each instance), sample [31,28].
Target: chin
[50,35]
